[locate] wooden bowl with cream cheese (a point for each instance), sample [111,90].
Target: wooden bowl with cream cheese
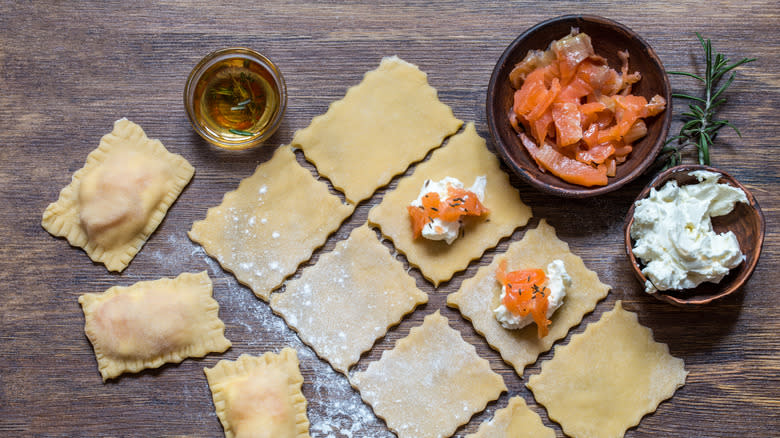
[746,221]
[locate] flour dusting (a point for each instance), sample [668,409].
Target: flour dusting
[335,409]
[178,251]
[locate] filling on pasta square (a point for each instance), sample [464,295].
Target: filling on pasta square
[479,296]
[466,158]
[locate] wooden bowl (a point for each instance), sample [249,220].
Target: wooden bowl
[608,38]
[746,221]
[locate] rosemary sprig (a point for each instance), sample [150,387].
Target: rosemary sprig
[700,126]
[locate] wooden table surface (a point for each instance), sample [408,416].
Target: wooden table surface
[68,70]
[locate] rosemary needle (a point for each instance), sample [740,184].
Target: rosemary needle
[240,132]
[700,127]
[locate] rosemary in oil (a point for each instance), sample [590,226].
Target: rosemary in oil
[236,98]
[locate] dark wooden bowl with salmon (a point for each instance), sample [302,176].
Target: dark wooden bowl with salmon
[746,221]
[608,39]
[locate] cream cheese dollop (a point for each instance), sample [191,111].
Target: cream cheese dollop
[673,233]
[558,280]
[438,229]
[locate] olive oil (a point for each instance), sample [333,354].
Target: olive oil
[235,98]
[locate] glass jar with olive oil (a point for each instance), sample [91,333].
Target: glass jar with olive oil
[235,98]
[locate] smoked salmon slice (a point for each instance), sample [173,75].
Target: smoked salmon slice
[525,294]
[580,112]
[568,169]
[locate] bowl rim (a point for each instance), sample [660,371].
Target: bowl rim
[740,281]
[583,192]
[227,53]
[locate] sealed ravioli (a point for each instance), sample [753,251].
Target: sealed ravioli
[466,158]
[116,201]
[479,296]
[153,322]
[345,302]
[271,223]
[260,397]
[382,125]
[606,378]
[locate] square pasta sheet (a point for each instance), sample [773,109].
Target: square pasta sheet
[430,383]
[465,157]
[116,201]
[516,420]
[479,295]
[260,396]
[271,223]
[152,323]
[382,125]
[349,299]
[607,378]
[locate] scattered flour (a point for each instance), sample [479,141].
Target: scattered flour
[178,251]
[335,409]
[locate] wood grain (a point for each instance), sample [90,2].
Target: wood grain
[68,70]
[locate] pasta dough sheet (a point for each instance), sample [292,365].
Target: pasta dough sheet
[607,378]
[430,383]
[479,295]
[271,223]
[349,299]
[116,201]
[260,397]
[516,420]
[465,157]
[391,119]
[152,323]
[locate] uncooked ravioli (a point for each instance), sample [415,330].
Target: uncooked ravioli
[607,378]
[430,383]
[271,223]
[260,396]
[465,157]
[382,125]
[348,299]
[116,201]
[153,322]
[479,295]
[516,420]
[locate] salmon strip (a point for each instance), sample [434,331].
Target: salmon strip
[579,111]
